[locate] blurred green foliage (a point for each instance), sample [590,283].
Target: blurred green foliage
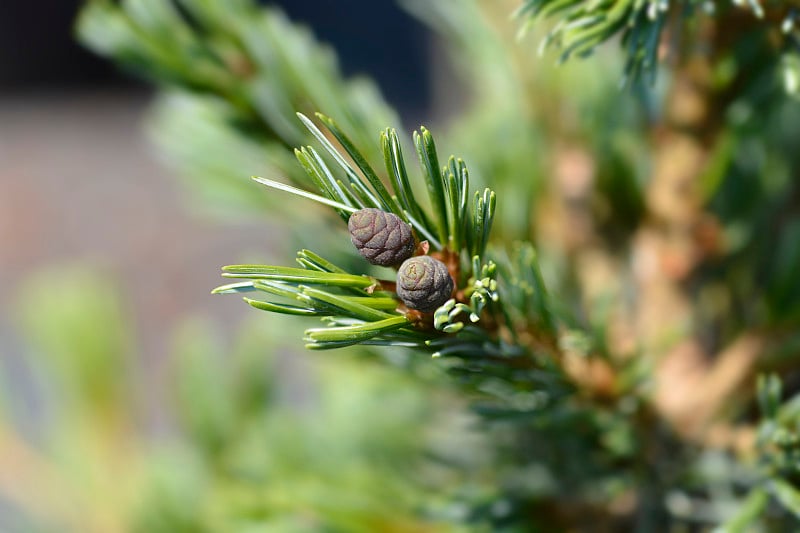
[249,70]
[252,438]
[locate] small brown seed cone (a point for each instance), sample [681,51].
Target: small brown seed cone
[382,238]
[424,283]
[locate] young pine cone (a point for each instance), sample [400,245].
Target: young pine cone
[424,283]
[381,237]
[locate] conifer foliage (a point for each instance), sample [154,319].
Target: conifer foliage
[611,287]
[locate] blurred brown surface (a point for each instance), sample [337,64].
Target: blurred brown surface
[80,183]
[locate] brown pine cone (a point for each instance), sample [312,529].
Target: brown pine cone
[382,238]
[424,283]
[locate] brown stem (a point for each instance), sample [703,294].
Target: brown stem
[680,234]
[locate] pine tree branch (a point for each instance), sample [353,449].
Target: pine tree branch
[581,26]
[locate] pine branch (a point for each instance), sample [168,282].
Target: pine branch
[365,309]
[571,404]
[497,322]
[582,26]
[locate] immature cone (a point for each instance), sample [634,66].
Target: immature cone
[381,237]
[424,283]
